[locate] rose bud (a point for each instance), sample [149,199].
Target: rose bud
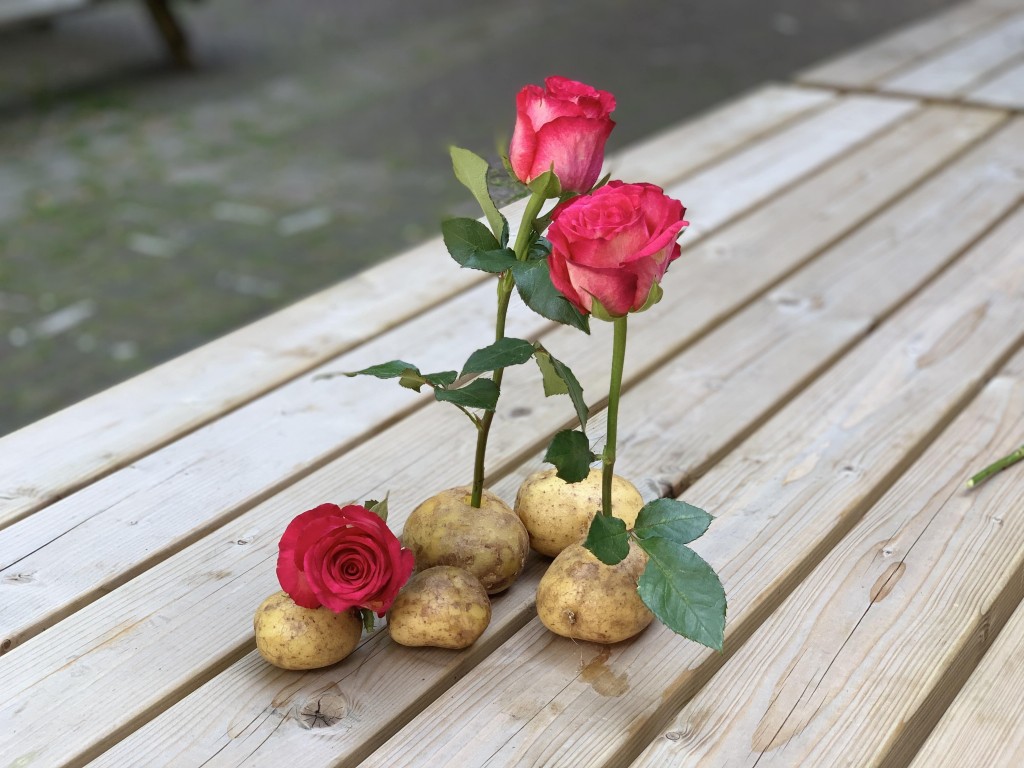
[342,558]
[614,246]
[564,125]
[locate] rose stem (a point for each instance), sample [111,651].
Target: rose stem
[505,283]
[608,456]
[998,466]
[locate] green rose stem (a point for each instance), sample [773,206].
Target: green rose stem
[614,388]
[997,467]
[505,284]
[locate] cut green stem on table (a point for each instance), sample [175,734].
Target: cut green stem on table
[996,467]
[505,285]
[614,390]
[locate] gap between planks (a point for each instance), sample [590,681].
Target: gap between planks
[296,340]
[159,729]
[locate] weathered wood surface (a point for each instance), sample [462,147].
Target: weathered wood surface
[120,425]
[64,556]
[18,10]
[881,58]
[782,499]
[860,662]
[985,723]
[1004,90]
[723,387]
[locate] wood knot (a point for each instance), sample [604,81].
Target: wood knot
[323,711]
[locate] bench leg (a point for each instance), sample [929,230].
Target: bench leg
[171,31]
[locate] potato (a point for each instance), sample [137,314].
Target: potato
[490,542]
[582,598]
[292,637]
[442,607]
[557,514]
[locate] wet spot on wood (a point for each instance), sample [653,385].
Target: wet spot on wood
[602,679]
[885,583]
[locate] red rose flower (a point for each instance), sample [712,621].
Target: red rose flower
[614,245]
[566,124]
[342,558]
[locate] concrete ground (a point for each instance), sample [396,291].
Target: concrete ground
[145,210]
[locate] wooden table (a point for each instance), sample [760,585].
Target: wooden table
[839,347]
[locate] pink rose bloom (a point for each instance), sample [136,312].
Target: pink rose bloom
[614,245]
[565,124]
[342,558]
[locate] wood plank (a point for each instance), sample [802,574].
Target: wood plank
[722,387]
[132,419]
[1005,90]
[962,67]
[860,662]
[983,725]
[19,10]
[781,500]
[881,58]
[65,552]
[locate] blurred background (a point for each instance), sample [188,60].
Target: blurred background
[147,208]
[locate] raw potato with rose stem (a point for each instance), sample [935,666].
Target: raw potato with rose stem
[582,598]
[490,542]
[557,514]
[292,637]
[441,607]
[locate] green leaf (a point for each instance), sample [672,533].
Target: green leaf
[465,237]
[379,508]
[471,170]
[503,239]
[389,370]
[684,591]
[546,184]
[570,452]
[367,616]
[539,249]
[479,393]
[412,381]
[441,378]
[491,261]
[601,182]
[501,354]
[607,539]
[553,383]
[533,282]
[673,520]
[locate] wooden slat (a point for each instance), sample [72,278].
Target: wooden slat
[65,553]
[963,66]
[1005,90]
[781,500]
[18,10]
[722,387]
[130,420]
[860,662]
[218,580]
[985,723]
[865,66]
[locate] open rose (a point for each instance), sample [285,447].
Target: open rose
[342,558]
[614,245]
[566,124]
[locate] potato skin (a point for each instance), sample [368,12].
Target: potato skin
[441,607]
[292,637]
[557,514]
[490,542]
[582,598]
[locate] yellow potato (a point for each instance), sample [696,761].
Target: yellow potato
[292,637]
[442,607]
[557,514]
[582,598]
[490,542]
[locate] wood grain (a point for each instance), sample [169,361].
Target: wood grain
[861,661]
[1004,90]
